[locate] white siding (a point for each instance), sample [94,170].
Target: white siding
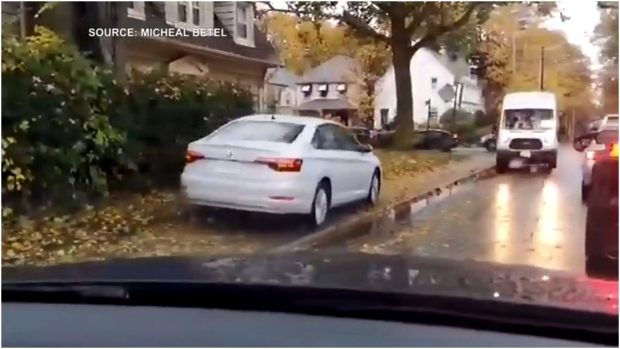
[424,67]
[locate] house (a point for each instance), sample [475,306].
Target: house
[229,48]
[330,89]
[430,72]
[281,90]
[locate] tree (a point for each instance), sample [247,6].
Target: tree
[405,27]
[373,59]
[513,57]
[303,44]
[606,36]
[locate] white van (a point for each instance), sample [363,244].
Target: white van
[528,130]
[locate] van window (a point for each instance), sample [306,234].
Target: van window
[527,119]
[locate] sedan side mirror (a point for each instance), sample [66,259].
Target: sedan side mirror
[578,145]
[582,142]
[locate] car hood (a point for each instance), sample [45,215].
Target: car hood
[385,273]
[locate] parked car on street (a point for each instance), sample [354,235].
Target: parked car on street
[281,164]
[436,139]
[601,198]
[489,142]
[595,147]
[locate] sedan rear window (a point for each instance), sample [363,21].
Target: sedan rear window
[262,131]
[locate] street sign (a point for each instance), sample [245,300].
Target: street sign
[446,93]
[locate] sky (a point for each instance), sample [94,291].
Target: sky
[583,17]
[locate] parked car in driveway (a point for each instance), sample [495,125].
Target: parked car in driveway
[436,139]
[595,147]
[281,164]
[489,142]
[365,135]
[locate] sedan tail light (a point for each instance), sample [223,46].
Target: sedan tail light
[614,150]
[281,164]
[192,156]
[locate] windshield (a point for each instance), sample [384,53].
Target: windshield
[206,159]
[528,119]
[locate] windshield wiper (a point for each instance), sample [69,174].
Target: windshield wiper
[63,292]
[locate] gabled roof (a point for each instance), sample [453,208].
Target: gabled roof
[281,76]
[455,64]
[338,69]
[156,18]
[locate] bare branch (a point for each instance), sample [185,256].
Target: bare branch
[362,27]
[436,32]
[418,17]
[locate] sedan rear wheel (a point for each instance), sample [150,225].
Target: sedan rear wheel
[375,189]
[320,205]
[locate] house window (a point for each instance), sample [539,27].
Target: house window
[342,88]
[135,9]
[434,83]
[243,20]
[189,12]
[323,89]
[306,90]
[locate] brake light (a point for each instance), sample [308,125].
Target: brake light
[281,164]
[614,151]
[192,156]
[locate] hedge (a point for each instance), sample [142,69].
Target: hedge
[71,133]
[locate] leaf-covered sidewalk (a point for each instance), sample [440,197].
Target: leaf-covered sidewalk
[157,224]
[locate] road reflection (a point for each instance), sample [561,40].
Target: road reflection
[548,236]
[502,223]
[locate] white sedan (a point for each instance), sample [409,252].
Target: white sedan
[281,164]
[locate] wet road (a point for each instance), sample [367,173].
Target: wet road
[535,219]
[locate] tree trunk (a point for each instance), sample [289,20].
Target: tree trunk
[401,60]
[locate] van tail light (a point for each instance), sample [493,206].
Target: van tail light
[193,156]
[281,164]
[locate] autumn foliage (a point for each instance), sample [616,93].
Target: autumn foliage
[513,55]
[71,133]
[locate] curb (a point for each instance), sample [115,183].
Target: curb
[367,222]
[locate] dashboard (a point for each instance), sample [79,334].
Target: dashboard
[66,325]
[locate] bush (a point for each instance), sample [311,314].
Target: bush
[55,129]
[482,119]
[72,132]
[461,117]
[161,113]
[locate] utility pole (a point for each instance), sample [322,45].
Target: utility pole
[514,53]
[542,68]
[428,114]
